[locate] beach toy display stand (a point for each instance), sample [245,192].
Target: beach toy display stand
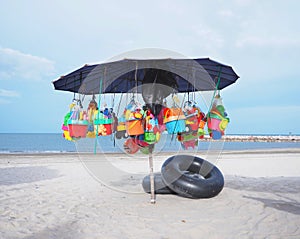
[146,76]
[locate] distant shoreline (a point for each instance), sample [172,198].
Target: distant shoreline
[257,138]
[262,138]
[238,135]
[233,137]
[71,154]
[54,144]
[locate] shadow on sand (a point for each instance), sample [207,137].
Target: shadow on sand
[279,186]
[286,205]
[18,175]
[67,230]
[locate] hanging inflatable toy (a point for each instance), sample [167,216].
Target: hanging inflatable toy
[65,128]
[152,134]
[130,146]
[187,136]
[174,119]
[77,122]
[193,115]
[201,131]
[195,122]
[92,111]
[217,119]
[103,122]
[189,144]
[134,118]
[121,128]
[140,140]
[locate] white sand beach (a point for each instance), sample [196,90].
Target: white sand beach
[55,196]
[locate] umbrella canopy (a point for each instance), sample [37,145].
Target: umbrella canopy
[182,75]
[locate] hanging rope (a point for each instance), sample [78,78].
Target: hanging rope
[113,100]
[79,102]
[216,89]
[135,78]
[194,88]
[118,109]
[83,96]
[98,114]
[74,88]
[172,137]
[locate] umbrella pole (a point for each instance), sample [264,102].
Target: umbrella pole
[98,114]
[153,200]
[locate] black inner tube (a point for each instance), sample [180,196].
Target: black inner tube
[159,186]
[192,177]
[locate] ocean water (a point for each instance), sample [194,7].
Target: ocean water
[55,143]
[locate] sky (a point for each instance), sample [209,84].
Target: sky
[42,40]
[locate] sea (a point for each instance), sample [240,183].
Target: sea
[35,143]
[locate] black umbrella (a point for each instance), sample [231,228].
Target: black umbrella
[184,75]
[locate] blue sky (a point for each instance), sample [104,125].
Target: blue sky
[41,40]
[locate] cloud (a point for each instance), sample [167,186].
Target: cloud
[258,27]
[8,93]
[225,13]
[204,37]
[4,101]
[17,65]
[244,2]
[258,41]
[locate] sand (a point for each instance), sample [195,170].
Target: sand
[56,196]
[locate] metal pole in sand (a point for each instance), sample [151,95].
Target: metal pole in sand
[153,200]
[98,114]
